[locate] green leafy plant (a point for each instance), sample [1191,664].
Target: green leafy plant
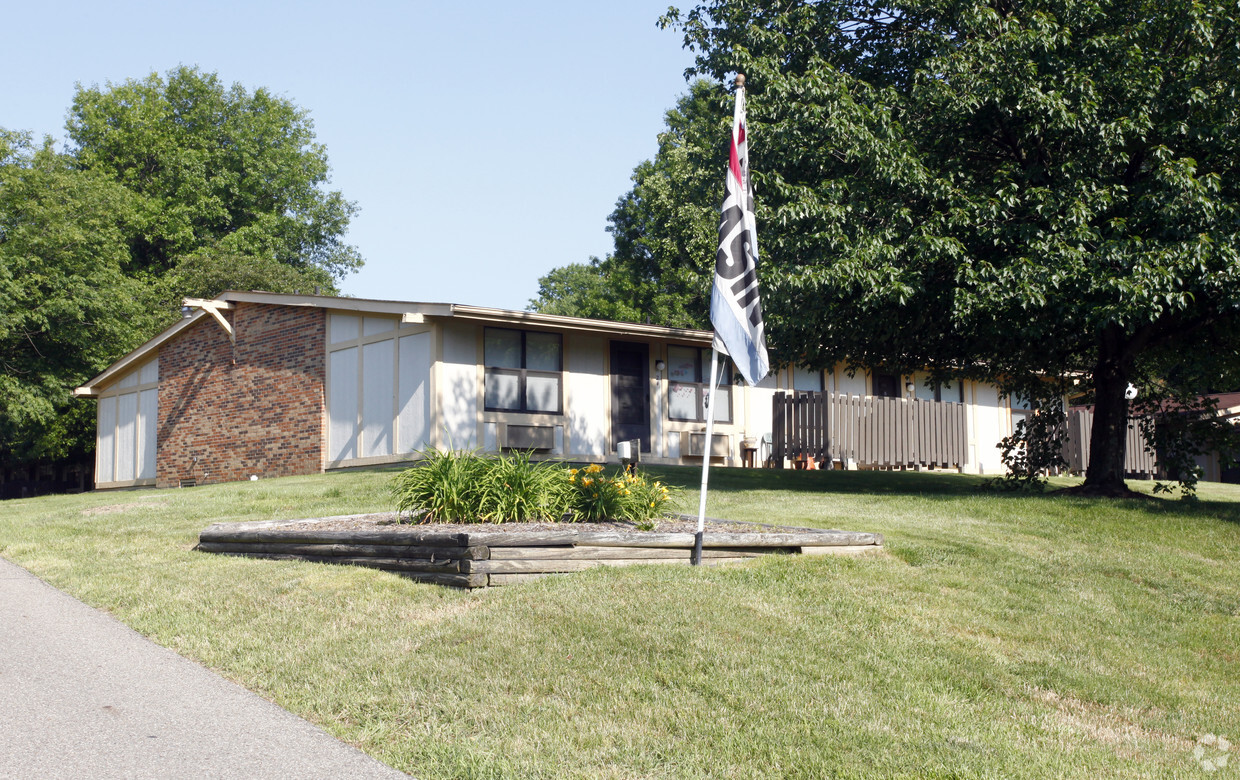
[516,489]
[465,487]
[622,496]
[1035,448]
[446,486]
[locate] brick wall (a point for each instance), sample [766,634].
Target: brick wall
[227,413]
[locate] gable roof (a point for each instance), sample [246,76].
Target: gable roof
[409,311]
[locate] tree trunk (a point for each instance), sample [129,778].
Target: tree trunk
[1107,439]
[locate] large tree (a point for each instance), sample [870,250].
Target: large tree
[996,188]
[68,303]
[227,178]
[171,187]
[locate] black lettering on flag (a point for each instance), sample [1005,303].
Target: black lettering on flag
[729,266]
[749,297]
[749,279]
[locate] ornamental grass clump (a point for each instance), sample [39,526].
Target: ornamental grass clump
[447,486]
[464,487]
[516,489]
[623,496]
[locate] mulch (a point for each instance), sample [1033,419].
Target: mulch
[390,522]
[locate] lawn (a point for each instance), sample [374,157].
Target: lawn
[1000,636]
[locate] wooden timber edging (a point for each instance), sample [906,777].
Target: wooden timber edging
[477,559]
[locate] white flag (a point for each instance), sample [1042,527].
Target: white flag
[735,311]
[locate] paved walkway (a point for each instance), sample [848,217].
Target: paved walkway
[84,696]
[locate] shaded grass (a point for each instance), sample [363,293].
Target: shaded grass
[1002,636]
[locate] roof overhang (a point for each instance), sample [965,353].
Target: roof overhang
[417,312]
[140,355]
[557,322]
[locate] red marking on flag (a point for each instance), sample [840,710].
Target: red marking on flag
[734,163]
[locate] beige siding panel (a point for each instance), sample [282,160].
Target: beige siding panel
[413,418]
[342,404]
[149,373]
[758,420]
[378,401]
[372,326]
[988,427]
[342,327]
[587,392]
[126,439]
[458,390]
[148,419]
[673,445]
[105,449]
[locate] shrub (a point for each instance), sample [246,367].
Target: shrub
[516,489]
[445,486]
[619,497]
[464,487]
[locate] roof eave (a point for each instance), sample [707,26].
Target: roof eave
[92,388]
[561,322]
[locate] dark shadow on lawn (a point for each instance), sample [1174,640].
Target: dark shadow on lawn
[911,483]
[877,482]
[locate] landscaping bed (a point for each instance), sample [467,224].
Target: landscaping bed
[482,555]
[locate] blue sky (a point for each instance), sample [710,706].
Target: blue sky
[484,142]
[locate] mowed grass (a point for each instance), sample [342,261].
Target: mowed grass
[1000,636]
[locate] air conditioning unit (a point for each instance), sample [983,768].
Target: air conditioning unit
[693,445]
[528,437]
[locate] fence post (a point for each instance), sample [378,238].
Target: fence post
[778,404]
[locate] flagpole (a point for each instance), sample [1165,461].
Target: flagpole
[696,558]
[735,313]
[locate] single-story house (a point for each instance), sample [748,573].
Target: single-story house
[256,384]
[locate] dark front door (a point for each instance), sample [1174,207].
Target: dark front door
[630,393]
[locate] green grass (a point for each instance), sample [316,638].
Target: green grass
[1002,636]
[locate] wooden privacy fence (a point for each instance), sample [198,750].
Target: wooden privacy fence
[870,431]
[1137,460]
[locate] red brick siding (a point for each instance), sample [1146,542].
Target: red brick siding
[227,413]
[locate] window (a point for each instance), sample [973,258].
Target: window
[1022,407]
[688,385]
[523,371]
[886,385]
[806,380]
[928,390]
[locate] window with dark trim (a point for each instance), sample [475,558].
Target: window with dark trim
[688,385]
[524,371]
[886,385]
[949,391]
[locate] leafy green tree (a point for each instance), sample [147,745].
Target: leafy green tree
[665,229]
[221,172]
[172,186]
[69,305]
[995,188]
[582,290]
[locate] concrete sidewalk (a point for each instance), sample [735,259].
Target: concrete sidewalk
[84,696]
